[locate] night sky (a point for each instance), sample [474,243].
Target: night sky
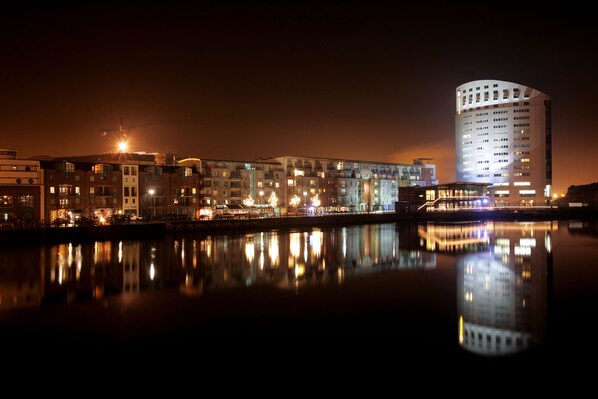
[359,81]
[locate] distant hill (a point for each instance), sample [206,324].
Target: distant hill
[587,193]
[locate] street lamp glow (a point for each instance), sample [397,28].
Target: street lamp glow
[123,146]
[261,193]
[315,201]
[248,201]
[295,201]
[151,191]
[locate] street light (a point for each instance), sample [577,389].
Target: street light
[151,192]
[261,193]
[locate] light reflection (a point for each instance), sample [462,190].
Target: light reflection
[295,244]
[273,250]
[249,250]
[502,305]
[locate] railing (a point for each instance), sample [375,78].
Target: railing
[466,198]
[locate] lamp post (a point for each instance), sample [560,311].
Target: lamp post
[151,192]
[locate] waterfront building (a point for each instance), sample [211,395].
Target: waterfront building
[341,185]
[21,190]
[444,197]
[258,184]
[129,184]
[503,135]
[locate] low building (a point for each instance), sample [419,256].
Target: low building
[444,197]
[21,190]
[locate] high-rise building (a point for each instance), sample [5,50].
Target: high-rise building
[503,136]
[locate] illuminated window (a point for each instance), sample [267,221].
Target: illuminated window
[52,190]
[290,182]
[194,191]
[92,190]
[77,190]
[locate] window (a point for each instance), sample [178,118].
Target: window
[77,178]
[133,171]
[51,177]
[52,190]
[133,192]
[126,171]
[126,193]
[78,190]
[91,178]
[91,190]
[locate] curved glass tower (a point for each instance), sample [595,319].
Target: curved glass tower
[503,137]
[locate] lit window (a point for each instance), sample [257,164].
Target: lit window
[91,190]
[52,190]
[290,182]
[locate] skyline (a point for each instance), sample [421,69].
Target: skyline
[306,80]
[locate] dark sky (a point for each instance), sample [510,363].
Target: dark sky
[359,81]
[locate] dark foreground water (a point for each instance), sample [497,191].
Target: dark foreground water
[483,292]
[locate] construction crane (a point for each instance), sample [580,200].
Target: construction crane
[122,131]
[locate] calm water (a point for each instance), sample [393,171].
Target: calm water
[467,290]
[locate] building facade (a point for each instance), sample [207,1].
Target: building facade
[340,185]
[132,185]
[225,182]
[444,197]
[21,190]
[503,135]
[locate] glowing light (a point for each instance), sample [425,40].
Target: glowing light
[151,191]
[152,271]
[123,146]
[248,201]
[295,201]
[295,244]
[273,250]
[299,271]
[249,250]
[273,200]
[315,201]
[460,329]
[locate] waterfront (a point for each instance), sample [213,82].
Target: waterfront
[466,290]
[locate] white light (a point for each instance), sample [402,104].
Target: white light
[151,191]
[123,146]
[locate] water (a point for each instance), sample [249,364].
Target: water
[467,291]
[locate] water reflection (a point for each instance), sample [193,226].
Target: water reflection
[502,285]
[502,269]
[196,264]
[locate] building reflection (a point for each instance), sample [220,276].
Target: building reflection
[195,264]
[502,281]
